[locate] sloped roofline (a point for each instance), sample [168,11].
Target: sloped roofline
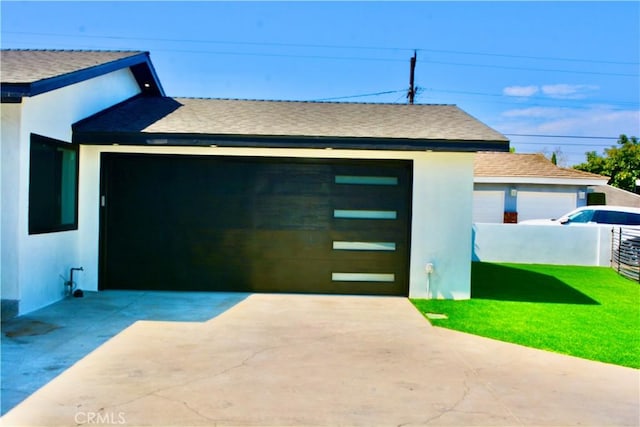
[540,180]
[139,62]
[528,168]
[287,124]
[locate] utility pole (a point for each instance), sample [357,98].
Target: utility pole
[412,90]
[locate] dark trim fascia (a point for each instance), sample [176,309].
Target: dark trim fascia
[11,99]
[145,75]
[141,67]
[258,141]
[12,93]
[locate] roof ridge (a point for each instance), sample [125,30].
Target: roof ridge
[306,101]
[585,173]
[73,50]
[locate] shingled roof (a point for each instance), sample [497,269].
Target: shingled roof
[192,121]
[528,168]
[31,72]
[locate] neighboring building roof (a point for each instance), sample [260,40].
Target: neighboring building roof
[31,72]
[528,169]
[189,121]
[617,196]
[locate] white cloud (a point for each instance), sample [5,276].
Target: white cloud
[568,91]
[593,120]
[521,91]
[596,122]
[555,91]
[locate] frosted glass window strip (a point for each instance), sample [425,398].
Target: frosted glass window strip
[364,214]
[366,180]
[363,277]
[364,246]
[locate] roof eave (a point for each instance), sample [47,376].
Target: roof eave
[538,180]
[140,65]
[284,141]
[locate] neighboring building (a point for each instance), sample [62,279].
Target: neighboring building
[101,171]
[616,196]
[510,187]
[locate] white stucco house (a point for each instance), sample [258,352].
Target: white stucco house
[513,187]
[102,171]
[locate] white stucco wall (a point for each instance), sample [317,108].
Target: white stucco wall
[42,261]
[442,211]
[587,245]
[441,221]
[9,209]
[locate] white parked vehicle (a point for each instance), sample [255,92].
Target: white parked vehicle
[595,215]
[625,221]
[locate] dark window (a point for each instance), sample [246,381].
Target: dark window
[633,219]
[618,218]
[53,185]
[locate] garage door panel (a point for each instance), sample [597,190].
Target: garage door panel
[373,192]
[381,234]
[291,212]
[370,226]
[488,206]
[366,263]
[249,224]
[253,244]
[298,180]
[544,204]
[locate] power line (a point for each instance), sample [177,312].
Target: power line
[507,100]
[545,58]
[359,58]
[562,136]
[506,67]
[535,98]
[572,144]
[325,46]
[377,59]
[359,96]
[235,53]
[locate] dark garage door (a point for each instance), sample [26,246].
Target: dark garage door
[211,223]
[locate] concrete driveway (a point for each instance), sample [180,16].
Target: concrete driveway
[326,360]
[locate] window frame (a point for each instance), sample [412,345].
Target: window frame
[58,226]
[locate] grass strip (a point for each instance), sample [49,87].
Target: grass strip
[588,312]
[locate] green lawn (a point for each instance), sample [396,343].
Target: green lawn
[589,312]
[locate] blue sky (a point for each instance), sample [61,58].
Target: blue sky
[524,68]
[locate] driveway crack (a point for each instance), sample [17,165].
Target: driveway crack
[453,406]
[157,392]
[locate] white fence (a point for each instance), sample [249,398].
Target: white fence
[542,244]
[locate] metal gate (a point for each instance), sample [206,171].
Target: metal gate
[625,252]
